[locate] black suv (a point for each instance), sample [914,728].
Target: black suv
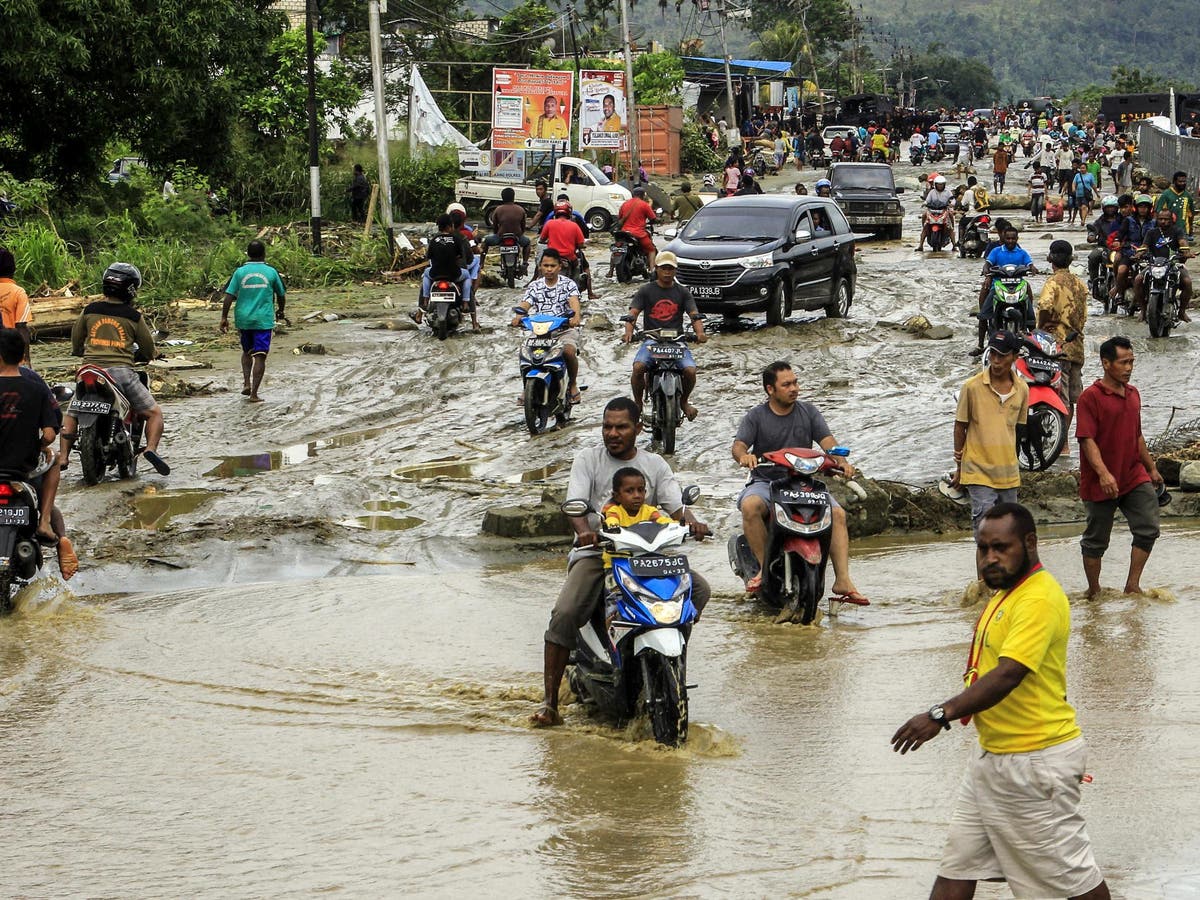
[867,195]
[768,253]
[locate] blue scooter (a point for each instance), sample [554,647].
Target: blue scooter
[544,371]
[630,658]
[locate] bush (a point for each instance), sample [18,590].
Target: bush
[695,152]
[422,186]
[41,256]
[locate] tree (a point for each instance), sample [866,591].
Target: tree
[959,82]
[828,22]
[162,75]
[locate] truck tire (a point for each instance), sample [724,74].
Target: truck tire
[598,219]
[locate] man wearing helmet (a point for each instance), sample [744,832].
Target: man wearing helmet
[824,187]
[112,334]
[1131,234]
[1105,225]
[563,234]
[1165,237]
[941,197]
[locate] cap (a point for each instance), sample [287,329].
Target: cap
[1004,342]
[1142,198]
[1109,200]
[666,258]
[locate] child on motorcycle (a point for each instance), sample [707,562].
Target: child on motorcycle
[628,506]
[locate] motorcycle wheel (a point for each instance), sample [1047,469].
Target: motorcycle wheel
[668,702]
[1160,325]
[624,275]
[1045,437]
[441,328]
[511,278]
[91,456]
[937,240]
[535,413]
[7,590]
[811,589]
[666,415]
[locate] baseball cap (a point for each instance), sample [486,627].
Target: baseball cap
[1004,342]
[666,258]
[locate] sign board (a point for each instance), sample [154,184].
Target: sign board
[474,161]
[531,109]
[508,165]
[602,113]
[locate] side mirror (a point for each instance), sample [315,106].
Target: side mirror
[576,508]
[520,311]
[691,494]
[803,234]
[628,318]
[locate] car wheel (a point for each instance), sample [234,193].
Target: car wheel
[777,305]
[839,306]
[598,219]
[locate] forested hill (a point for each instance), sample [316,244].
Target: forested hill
[1047,47]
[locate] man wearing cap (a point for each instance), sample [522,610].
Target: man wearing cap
[1116,471]
[633,217]
[1062,311]
[663,302]
[993,406]
[685,204]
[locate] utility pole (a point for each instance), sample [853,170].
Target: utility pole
[732,120]
[314,166]
[630,107]
[381,129]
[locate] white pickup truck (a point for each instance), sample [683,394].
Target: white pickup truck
[590,191]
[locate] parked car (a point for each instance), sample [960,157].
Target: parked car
[771,253]
[950,133]
[868,196]
[122,168]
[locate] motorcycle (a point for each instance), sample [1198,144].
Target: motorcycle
[577,273]
[544,371]
[799,532]
[764,163]
[916,155]
[1027,147]
[664,383]
[974,238]
[980,149]
[1039,365]
[109,434]
[938,216]
[630,658]
[1161,283]
[445,308]
[935,153]
[510,259]
[20,552]
[628,259]
[1013,301]
[817,159]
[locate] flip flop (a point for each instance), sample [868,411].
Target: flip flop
[754,585]
[576,398]
[68,562]
[545,717]
[853,597]
[160,464]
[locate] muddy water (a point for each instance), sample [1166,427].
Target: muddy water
[286,709]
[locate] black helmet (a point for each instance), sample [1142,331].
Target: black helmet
[121,281]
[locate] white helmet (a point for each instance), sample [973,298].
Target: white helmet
[456,208]
[940,181]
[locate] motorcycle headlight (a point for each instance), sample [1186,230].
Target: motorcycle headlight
[1158,271]
[759,261]
[666,612]
[805,465]
[784,519]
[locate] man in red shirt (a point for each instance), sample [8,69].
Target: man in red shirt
[632,217]
[563,234]
[1116,470]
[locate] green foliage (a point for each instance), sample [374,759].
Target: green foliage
[657,79]
[422,186]
[695,152]
[968,82]
[828,23]
[41,256]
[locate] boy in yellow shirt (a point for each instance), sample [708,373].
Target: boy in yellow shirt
[627,507]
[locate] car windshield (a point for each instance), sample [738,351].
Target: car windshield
[600,177]
[869,178]
[723,221]
[950,129]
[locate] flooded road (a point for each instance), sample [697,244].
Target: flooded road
[296,666]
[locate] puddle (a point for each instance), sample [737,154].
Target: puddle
[385,505]
[154,509]
[540,474]
[446,467]
[270,460]
[383,523]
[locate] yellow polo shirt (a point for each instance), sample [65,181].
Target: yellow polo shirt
[1030,626]
[990,453]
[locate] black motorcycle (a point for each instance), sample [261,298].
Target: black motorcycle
[510,258]
[109,433]
[628,259]
[20,553]
[445,308]
[974,234]
[577,272]
[664,383]
[916,155]
[1161,283]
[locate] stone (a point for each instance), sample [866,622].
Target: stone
[1169,468]
[1189,476]
[937,333]
[1009,201]
[542,520]
[598,321]
[917,324]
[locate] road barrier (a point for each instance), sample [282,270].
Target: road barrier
[1165,154]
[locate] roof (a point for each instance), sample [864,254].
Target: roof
[746,66]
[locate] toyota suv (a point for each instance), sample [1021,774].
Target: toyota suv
[771,253]
[867,194]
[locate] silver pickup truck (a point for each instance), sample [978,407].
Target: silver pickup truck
[590,191]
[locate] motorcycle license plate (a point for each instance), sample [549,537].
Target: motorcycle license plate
[658,566]
[539,343]
[443,297]
[667,351]
[619,249]
[802,498]
[14,515]
[705,290]
[1041,365]
[101,407]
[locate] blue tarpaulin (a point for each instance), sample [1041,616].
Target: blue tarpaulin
[746,66]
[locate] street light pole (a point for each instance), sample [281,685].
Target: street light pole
[314,166]
[381,127]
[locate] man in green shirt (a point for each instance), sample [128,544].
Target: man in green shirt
[1179,200]
[254,287]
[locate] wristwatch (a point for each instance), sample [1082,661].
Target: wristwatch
[939,715]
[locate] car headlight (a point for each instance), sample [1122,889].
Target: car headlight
[760,261]
[784,519]
[615,196]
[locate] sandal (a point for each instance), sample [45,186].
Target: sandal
[546,717]
[576,398]
[853,597]
[160,464]
[754,585]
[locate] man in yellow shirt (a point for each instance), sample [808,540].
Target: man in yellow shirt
[993,407]
[550,125]
[1017,814]
[612,122]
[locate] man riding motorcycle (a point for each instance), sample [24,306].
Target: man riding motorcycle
[633,217]
[1165,235]
[1106,224]
[449,256]
[111,334]
[938,194]
[1132,234]
[508,218]
[1008,253]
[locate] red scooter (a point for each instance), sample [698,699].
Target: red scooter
[938,217]
[1039,365]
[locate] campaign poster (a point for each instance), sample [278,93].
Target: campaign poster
[602,111]
[531,109]
[508,165]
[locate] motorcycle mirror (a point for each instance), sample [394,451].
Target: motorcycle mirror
[520,310]
[576,508]
[691,494]
[840,451]
[628,318]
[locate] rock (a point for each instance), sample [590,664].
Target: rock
[871,515]
[331,317]
[400,325]
[917,324]
[909,183]
[543,520]
[598,321]
[1189,476]
[937,333]
[1169,468]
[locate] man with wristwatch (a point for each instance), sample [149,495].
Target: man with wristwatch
[1017,814]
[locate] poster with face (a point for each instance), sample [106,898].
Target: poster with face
[531,109]
[602,111]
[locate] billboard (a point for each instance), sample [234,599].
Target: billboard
[531,109]
[602,112]
[508,165]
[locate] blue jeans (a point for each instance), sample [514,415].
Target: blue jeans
[984,498]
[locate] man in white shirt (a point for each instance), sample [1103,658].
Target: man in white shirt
[940,197]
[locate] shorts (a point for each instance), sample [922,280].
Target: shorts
[646,243]
[984,497]
[643,357]
[131,386]
[569,338]
[1140,507]
[762,490]
[1017,818]
[256,341]
[1073,371]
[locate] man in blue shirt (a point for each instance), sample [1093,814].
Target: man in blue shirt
[1009,253]
[256,288]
